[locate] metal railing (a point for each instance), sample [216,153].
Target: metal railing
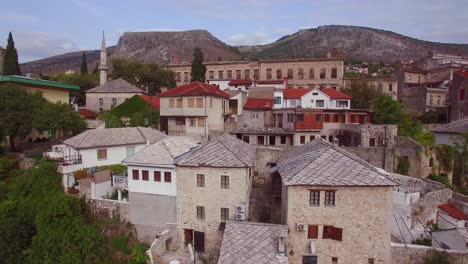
[70,160]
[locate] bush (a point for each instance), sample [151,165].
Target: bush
[121,243]
[423,242]
[442,179]
[437,257]
[403,166]
[139,255]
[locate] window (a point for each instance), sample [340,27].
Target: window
[353,119]
[327,118]
[323,72]
[171,103]
[330,138]
[302,139]
[299,117]
[330,232]
[200,180]
[300,73]
[314,199]
[283,140]
[135,174]
[229,74]
[201,122]
[380,87]
[254,115]
[247,74]
[260,140]
[335,118]
[293,102]
[191,103]
[342,103]
[319,117]
[329,198]
[144,175]
[211,74]
[438,100]
[180,121]
[102,154]
[178,77]
[114,102]
[256,74]
[238,74]
[101,102]
[362,119]
[290,118]
[431,162]
[272,140]
[390,87]
[192,122]
[186,76]
[370,261]
[311,74]
[312,232]
[130,151]
[224,214]
[290,74]
[462,94]
[334,73]
[320,103]
[372,142]
[179,102]
[167,176]
[220,74]
[334,260]
[157,176]
[246,139]
[309,260]
[343,118]
[199,102]
[279,74]
[200,212]
[268,74]
[277,99]
[224,182]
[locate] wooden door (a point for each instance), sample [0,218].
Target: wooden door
[199,241]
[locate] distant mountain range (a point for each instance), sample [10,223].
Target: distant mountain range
[357,43]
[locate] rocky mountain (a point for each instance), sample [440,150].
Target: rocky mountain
[358,43]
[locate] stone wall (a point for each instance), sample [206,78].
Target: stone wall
[108,209]
[461,201]
[27,163]
[375,156]
[415,254]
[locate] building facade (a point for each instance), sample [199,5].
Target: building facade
[456,104]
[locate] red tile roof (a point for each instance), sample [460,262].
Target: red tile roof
[294,93]
[195,89]
[464,73]
[240,82]
[152,100]
[269,82]
[259,104]
[87,113]
[334,94]
[451,210]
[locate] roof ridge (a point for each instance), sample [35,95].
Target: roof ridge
[143,135]
[233,151]
[85,137]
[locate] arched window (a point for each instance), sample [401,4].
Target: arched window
[101,102]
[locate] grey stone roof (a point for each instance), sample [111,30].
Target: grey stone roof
[163,152]
[455,127]
[114,137]
[116,86]
[251,243]
[224,151]
[93,123]
[321,163]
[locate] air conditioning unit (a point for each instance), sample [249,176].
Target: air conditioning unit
[240,208]
[240,216]
[300,227]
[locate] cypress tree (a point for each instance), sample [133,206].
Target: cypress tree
[10,62]
[84,64]
[198,68]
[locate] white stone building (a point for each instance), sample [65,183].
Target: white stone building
[324,98]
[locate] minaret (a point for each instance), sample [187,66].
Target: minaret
[103,64]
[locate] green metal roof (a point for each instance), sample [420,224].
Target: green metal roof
[27,80]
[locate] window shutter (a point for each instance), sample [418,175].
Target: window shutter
[337,233]
[312,232]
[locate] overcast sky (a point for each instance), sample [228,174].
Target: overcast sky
[50,27]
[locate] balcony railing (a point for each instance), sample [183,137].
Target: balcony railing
[70,160]
[120,180]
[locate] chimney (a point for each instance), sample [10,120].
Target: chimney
[176,59]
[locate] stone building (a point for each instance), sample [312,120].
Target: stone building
[425,97]
[2,55]
[457,107]
[214,184]
[337,207]
[110,94]
[388,86]
[301,73]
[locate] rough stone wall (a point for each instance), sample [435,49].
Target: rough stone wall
[159,245]
[415,254]
[424,209]
[109,209]
[265,157]
[27,163]
[363,213]
[375,156]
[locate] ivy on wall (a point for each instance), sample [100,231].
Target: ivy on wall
[403,165]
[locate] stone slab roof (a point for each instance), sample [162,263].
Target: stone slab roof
[320,163]
[108,137]
[163,152]
[455,127]
[252,243]
[224,151]
[116,86]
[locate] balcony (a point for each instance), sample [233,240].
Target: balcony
[176,129]
[69,164]
[120,181]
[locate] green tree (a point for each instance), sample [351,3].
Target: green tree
[437,257]
[198,68]
[85,81]
[139,255]
[143,75]
[10,62]
[84,64]
[362,93]
[17,111]
[60,118]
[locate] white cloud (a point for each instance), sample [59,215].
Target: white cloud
[37,45]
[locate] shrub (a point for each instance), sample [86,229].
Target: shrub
[121,243]
[139,255]
[403,166]
[423,242]
[442,179]
[437,257]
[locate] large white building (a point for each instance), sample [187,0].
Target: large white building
[325,98]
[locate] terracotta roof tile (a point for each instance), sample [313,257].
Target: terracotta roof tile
[152,100]
[195,89]
[259,104]
[334,94]
[240,82]
[295,93]
[87,113]
[451,210]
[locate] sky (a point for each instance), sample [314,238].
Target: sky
[51,27]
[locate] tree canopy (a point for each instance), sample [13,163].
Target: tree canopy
[143,75]
[198,68]
[84,64]
[362,93]
[59,117]
[10,62]
[85,81]
[139,112]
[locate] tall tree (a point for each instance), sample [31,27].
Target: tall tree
[198,68]
[362,93]
[17,111]
[84,64]
[10,62]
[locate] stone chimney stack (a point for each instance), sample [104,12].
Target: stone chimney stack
[103,68]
